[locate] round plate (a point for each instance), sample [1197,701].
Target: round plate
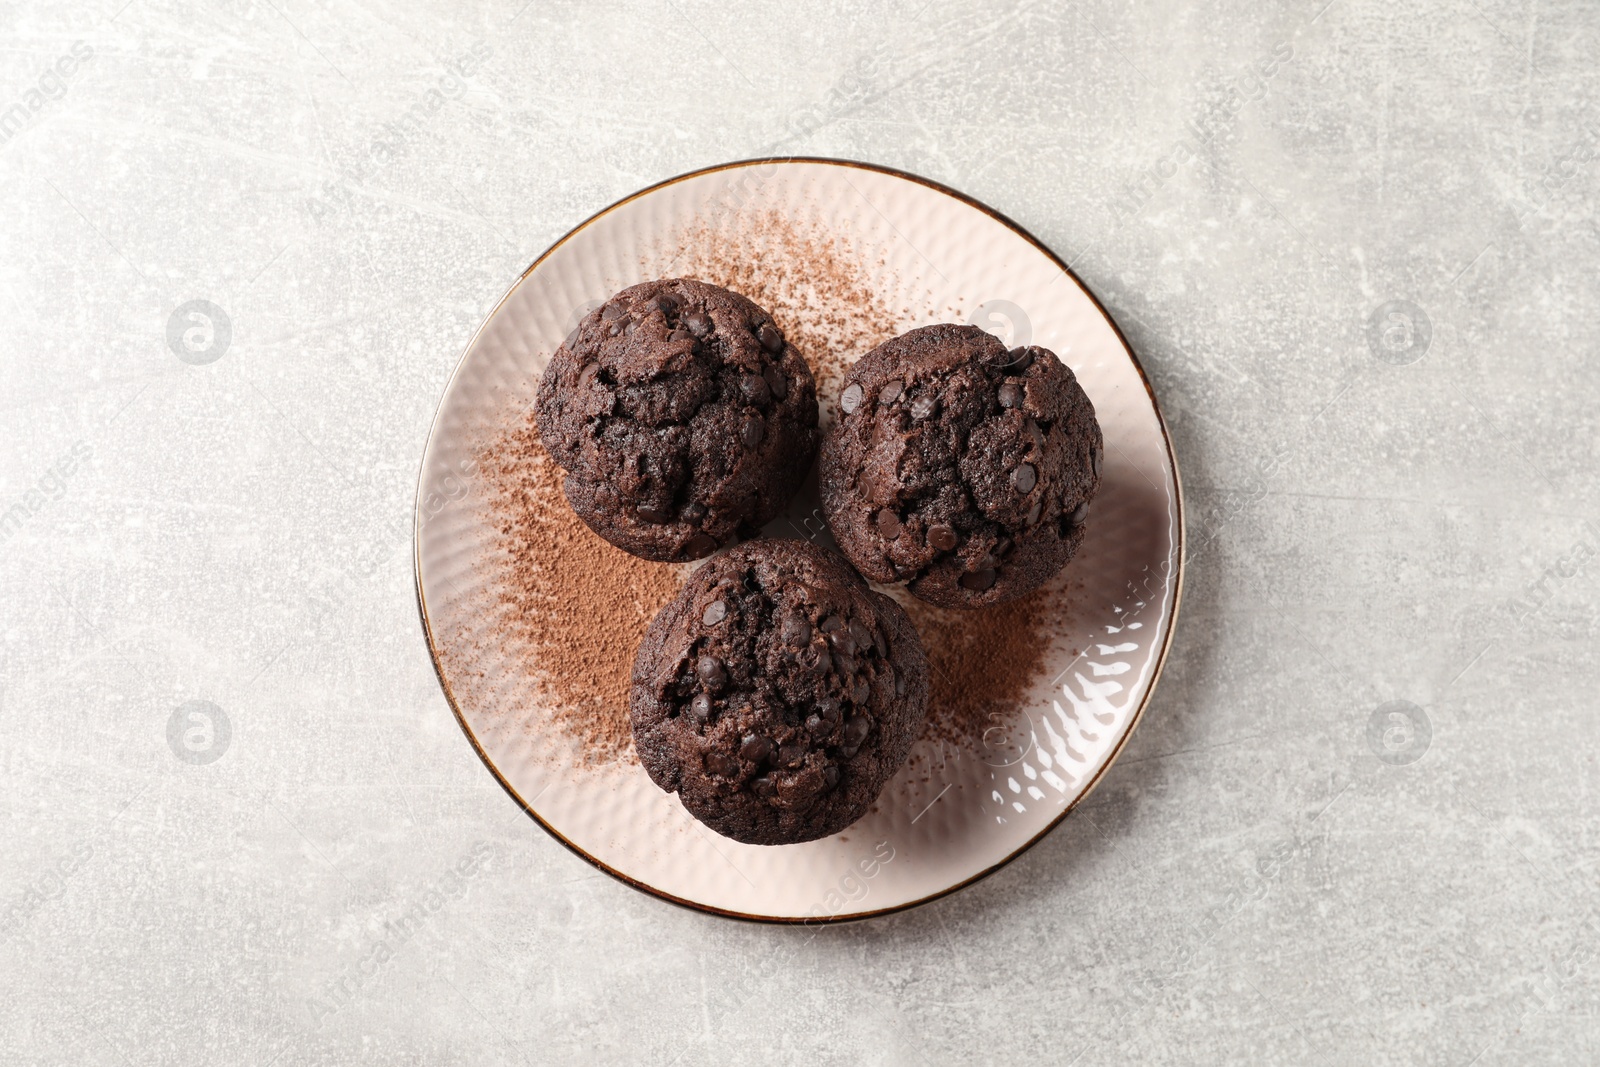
[928,254]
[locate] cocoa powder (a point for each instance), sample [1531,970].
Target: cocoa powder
[574,608]
[811,280]
[984,663]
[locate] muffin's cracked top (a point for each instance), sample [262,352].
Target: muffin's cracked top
[778,693]
[959,466]
[681,416]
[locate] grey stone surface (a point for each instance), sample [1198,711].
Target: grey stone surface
[1279,869]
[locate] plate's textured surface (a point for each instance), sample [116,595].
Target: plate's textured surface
[954,811]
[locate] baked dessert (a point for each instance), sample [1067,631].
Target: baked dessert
[777,693]
[960,467]
[681,416]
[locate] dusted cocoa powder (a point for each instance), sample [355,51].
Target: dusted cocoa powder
[984,663]
[573,607]
[814,283]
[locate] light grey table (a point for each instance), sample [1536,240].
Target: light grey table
[1354,244]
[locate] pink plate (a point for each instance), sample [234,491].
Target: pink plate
[959,810]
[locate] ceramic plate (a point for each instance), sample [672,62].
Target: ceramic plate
[907,252]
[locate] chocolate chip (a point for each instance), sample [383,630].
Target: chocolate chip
[849,751]
[888,524]
[861,691]
[899,685]
[1018,360]
[978,581]
[700,707]
[924,406]
[1035,511]
[681,335]
[693,511]
[822,662]
[764,787]
[711,672]
[796,631]
[828,709]
[862,635]
[842,642]
[652,514]
[891,392]
[755,389]
[776,382]
[844,663]
[697,323]
[613,312]
[771,339]
[1024,478]
[715,612]
[1011,395]
[850,399]
[755,748]
[832,624]
[1097,459]
[721,765]
[700,545]
[792,754]
[752,430]
[587,374]
[942,538]
[880,644]
[664,304]
[856,729]
[815,725]
[1003,547]
[1079,513]
[830,776]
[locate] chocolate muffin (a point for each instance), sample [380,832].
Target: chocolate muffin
[681,416]
[777,693]
[960,467]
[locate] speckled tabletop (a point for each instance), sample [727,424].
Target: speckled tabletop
[1354,244]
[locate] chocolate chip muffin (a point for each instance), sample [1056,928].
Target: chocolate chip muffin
[960,467]
[681,416]
[777,693]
